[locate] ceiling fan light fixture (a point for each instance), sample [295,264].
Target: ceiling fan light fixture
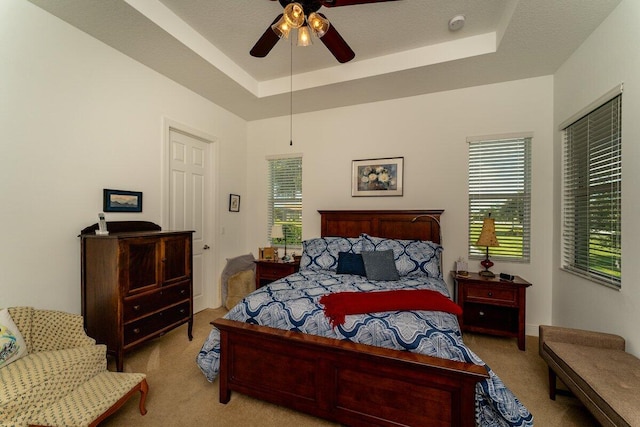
[319,25]
[281,28]
[294,15]
[304,36]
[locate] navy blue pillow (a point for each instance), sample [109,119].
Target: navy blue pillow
[349,263]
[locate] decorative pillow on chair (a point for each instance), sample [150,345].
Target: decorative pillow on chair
[412,257]
[380,265]
[12,345]
[322,253]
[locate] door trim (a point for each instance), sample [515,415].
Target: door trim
[212,296]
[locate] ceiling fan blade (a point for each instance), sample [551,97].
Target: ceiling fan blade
[336,45]
[265,43]
[336,3]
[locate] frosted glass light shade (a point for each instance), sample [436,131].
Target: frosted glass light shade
[294,15]
[281,28]
[318,24]
[304,36]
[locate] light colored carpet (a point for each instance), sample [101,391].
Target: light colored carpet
[179,394]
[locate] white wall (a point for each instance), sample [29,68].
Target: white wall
[609,57]
[77,117]
[430,132]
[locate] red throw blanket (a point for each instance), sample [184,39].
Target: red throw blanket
[338,305]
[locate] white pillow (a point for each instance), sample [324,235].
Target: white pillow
[12,345]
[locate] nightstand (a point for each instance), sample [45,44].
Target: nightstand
[268,270]
[492,306]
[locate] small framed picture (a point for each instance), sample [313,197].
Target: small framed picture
[234,203]
[121,201]
[377,177]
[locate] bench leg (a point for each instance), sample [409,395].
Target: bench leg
[144,388]
[552,384]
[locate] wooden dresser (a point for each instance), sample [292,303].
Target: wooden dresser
[136,285]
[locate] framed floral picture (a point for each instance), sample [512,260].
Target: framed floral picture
[377,177]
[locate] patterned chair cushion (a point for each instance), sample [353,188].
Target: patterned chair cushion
[322,253]
[412,257]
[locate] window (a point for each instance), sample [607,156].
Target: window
[500,185]
[285,199]
[591,198]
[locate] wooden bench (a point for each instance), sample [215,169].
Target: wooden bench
[597,370]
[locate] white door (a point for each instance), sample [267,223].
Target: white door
[190,170]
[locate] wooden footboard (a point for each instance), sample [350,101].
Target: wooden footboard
[353,384]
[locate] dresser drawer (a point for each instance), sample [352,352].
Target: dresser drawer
[154,323]
[491,294]
[147,303]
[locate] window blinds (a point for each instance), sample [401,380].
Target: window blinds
[592,179]
[500,184]
[285,198]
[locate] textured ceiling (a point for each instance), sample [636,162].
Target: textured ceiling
[403,48]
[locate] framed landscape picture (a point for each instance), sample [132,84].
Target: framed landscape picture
[122,201]
[377,177]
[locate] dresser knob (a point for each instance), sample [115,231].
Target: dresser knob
[481,313]
[490,294]
[136,307]
[136,331]
[183,291]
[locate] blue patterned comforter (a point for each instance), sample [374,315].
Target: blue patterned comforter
[292,304]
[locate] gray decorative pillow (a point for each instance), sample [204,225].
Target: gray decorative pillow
[380,265]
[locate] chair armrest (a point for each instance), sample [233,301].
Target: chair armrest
[56,330]
[579,337]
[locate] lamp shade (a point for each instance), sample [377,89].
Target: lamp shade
[294,15]
[281,28]
[488,234]
[318,24]
[277,232]
[304,36]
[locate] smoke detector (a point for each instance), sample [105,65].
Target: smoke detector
[456,22]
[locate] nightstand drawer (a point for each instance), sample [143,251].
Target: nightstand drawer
[489,317]
[270,271]
[491,294]
[275,270]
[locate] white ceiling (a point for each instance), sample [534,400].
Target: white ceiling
[403,48]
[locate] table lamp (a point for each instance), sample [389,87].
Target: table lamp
[487,239]
[277,232]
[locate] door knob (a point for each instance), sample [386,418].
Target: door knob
[206,247]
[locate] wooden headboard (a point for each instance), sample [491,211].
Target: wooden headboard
[409,224]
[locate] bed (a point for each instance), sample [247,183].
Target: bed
[397,368]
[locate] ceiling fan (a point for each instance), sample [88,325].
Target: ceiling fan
[303,15]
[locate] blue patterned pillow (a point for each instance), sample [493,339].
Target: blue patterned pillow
[412,257]
[322,253]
